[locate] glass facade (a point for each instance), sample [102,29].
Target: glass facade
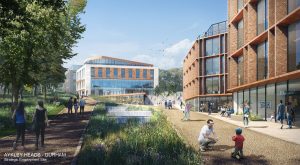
[215,29]
[240,37]
[294,46]
[292,5]
[137,73]
[240,70]
[264,100]
[262,61]
[223,44]
[262,16]
[100,72]
[212,46]
[240,101]
[112,86]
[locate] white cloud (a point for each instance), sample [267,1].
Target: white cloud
[172,56]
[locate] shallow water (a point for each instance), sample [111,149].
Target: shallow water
[122,114]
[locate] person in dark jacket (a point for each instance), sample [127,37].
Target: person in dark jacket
[70,105]
[40,119]
[19,117]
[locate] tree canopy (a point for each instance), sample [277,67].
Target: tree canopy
[36,36]
[170,81]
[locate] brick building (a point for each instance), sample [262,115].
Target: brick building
[264,54]
[205,70]
[112,76]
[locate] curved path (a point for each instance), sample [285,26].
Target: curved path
[258,148]
[61,140]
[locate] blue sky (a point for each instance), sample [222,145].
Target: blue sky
[152,31]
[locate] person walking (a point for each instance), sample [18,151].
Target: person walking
[187,110]
[281,113]
[288,112]
[19,117]
[205,139]
[246,113]
[40,120]
[81,106]
[70,105]
[209,108]
[75,105]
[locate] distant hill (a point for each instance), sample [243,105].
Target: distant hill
[170,81]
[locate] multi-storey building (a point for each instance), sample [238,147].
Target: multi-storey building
[205,70]
[264,54]
[112,76]
[70,81]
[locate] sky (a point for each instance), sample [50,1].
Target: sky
[159,32]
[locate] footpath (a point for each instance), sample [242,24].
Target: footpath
[259,147]
[61,140]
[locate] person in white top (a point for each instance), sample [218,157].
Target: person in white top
[205,139]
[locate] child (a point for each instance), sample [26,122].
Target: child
[238,147]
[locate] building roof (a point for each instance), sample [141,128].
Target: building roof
[105,60]
[214,29]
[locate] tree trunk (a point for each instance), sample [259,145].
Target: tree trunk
[45,92]
[15,95]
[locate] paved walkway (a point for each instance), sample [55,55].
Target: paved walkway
[61,140]
[258,148]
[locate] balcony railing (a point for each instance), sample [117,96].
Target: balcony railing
[214,29]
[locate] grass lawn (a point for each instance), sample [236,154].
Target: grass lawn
[155,142]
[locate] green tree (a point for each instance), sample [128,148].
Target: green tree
[170,81]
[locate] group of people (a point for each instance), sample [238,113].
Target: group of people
[74,103]
[168,104]
[208,137]
[286,112]
[226,111]
[39,123]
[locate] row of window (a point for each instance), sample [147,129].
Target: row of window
[106,61]
[128,84]
[262,56]
[264,100]
[116,72]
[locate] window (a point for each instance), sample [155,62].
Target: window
[123,73]
[294,46]
[130,73]
[137,73]
[212,85]
[262,16]
[292,5]
[240,37]
[212,46]
[261,101]
[262,61]
[240,4]
[240,101]
[253,101]
[270,101]
[281,91]
[240,70]
[223,64]
[144,73]
[212,66]
[152,74]
[92,72]
[115,73]
[107,72]
[223,44]
[100,72]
